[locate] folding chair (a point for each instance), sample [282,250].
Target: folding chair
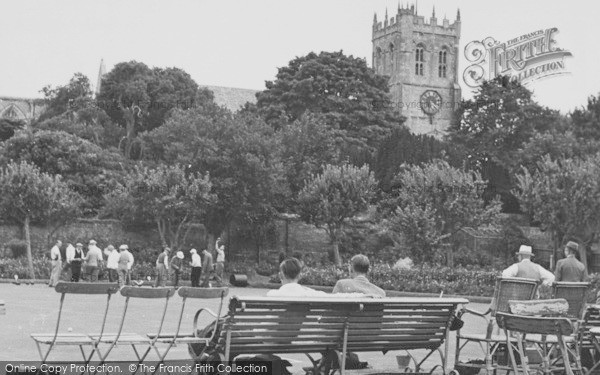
[587,336]
[133,339]
[575,293]
[560,327]
[189,338]
[74,339]
[489,343]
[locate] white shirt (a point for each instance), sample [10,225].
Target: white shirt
[130,263]
[70,253]
[220,254]
[112,261]
[297,290]
[547,276]
[55,253]
[196,260]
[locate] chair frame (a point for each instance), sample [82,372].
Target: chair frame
[134,339]
[585,338]
[77,339]
[506,289]
[560,327]
[173,339]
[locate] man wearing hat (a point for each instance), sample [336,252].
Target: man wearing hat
[569,268]
[76,262]
[124,264]
[527,269]
[196,264]
[93,261]
[177,267]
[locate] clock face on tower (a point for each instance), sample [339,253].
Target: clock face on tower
[431,102]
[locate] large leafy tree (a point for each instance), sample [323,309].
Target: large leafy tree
[563,195]
[85,167]
[240,152]
[166,196]
[74,95]
[586,120]
[330,198]
[349,95]
[139,98]
[434,201]
[491,127]
[31,196]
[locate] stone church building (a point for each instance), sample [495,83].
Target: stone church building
[421,58]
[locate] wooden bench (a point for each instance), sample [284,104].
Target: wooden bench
[269,325]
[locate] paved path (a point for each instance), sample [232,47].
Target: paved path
[33,308]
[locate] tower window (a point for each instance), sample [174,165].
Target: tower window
[419,60]
[442,63]
[391,52]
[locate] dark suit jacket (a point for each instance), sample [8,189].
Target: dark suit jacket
[570,269]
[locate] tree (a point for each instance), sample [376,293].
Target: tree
[434,201]
[165,196]
[75,95]
[563,195]
[350,96]
[140,99]
[586,121]
[85,167]
[491,127]
[29,196]
[241,154]
[8,127]
[330,198]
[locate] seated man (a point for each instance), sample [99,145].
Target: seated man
[358,283]
[527,269]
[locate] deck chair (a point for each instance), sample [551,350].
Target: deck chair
[111,340]
[188,338]
[585,339]
[575,293]
[74,339]
[560,327]
[489,342]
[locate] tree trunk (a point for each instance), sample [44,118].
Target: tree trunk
[210,245]
[336,252]
[28,242]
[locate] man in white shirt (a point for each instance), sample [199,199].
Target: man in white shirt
[112,263]
[196,264]
[56,260]
[527,269]
[69,255]
[220,265]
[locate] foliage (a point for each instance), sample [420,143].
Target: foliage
[8,127]
[306,145]
[423,278]
[17,248]
[165,195]
[586,120]
[339,193]
[432,203]
[404,148]
[140,99]
[350,96]
[241,154]
[564,196]
[11,267]
[87,169]
[75,95]
[29,195]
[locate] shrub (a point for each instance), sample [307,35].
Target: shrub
[18,248]
[11,267]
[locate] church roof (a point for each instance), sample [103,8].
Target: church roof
[232,98]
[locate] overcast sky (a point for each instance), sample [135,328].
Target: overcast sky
[240,43]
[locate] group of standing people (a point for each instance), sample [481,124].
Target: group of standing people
[118,263]
[202,266]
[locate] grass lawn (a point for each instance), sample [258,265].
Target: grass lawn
[34,308]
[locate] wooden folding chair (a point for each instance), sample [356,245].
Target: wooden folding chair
[74,339]
[489,342]
[189,338]
[576,295]
[134,339]
[560,327]
[588,336]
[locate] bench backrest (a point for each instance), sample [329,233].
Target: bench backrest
[286,325]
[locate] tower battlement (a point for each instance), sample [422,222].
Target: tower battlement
[409,17]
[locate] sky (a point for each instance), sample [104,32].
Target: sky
[241,43]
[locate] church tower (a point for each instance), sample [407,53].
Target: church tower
[421,59]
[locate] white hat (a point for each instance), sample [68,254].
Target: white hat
[193,251]
[123,247]
[92,242]
[525,250]
[180,254]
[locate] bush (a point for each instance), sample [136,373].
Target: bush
[18,248]
[11,267]
[423,278]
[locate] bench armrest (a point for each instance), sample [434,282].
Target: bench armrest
[478,313]
[198,315]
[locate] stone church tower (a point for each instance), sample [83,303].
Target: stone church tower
[421,59]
